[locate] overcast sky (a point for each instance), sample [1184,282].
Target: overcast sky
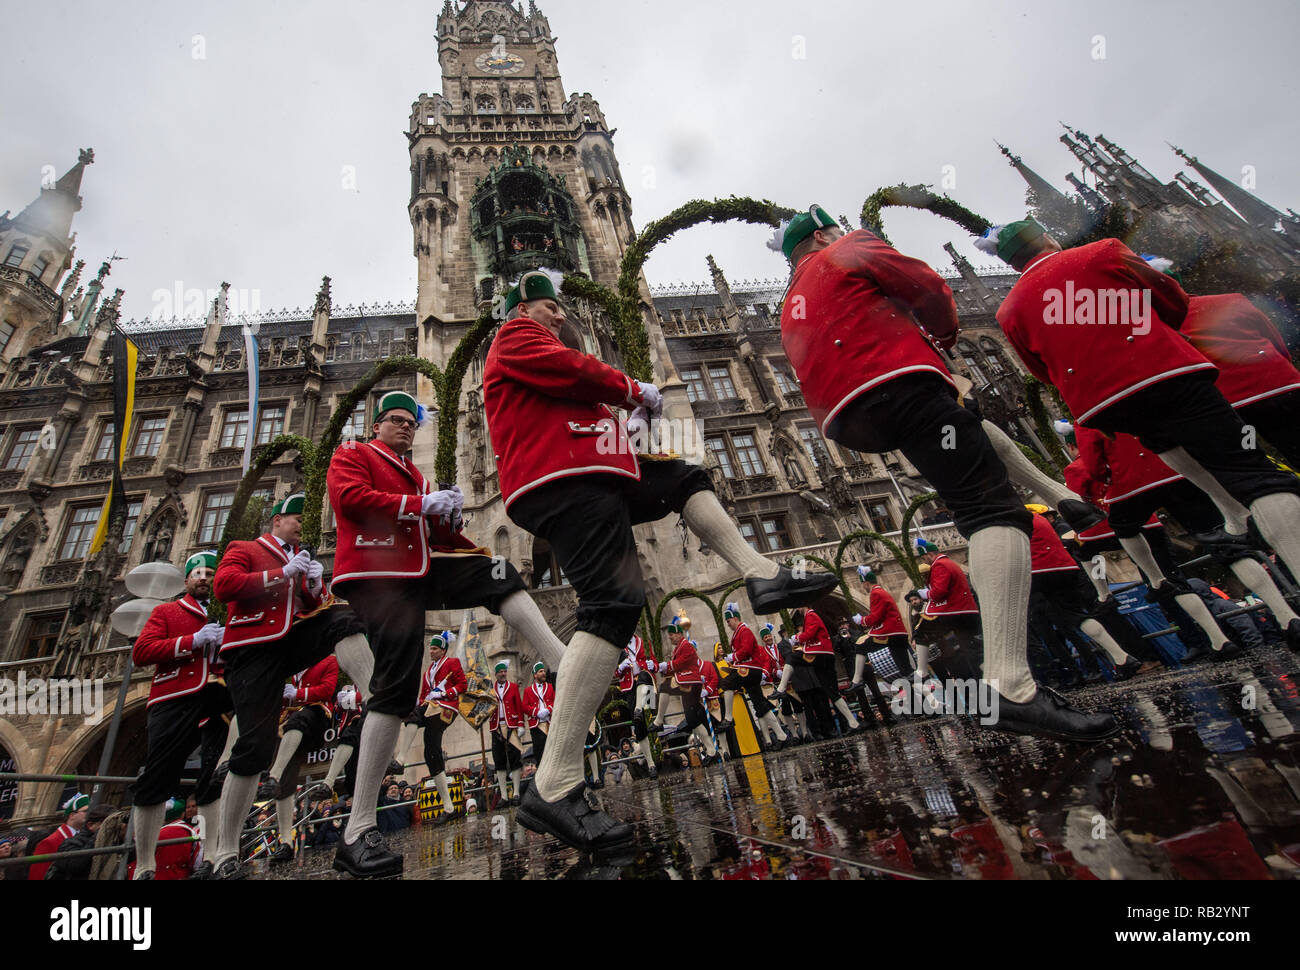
[230,167]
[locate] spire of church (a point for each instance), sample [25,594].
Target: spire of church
[1251,208]
[52,211]
[1044,191]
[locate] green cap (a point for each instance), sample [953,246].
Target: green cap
[208,559]
[290,505]
[396,400]
[800,228]
[730,610]
[76,803]
[500,666]
[677,624]
[444,639]
[536,285]
[538,666]
[175,808]
[866,574]
[1007,241]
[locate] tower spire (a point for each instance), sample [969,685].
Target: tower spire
[1044,191]
[1252,209]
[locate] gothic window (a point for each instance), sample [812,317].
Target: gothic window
[104,446]
[42,634]
[21,449]
[718,449]
[749,532]
[696,389]
[216,509]
[128,533]
[17,253]
[6,334]
[78,532]
[485,104]
[767,533]
[524,104]
[814,445]
[784,381]
[234,431]
[270,425]
[882,519]
[751,459]
[723,388]
[971,356]
[39,267]
[148,437]
[546,567]
[355,428]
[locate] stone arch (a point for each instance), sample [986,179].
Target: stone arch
[501,545]
[474,154]
[458,152]
[128,754]
[570,151]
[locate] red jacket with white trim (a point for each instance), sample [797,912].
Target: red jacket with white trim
[1253,360]
[1046,550]
[709,680]
[1093,364]
[950,593]
[316,685]
[857,315]
[376,498]
[685,663]
[167,640]
[535,698]
[883,618]
[259,600]
[746,652]
[814,638]
[642,658]
[48,845]
[547,410]
[1080,480]
[508,699]
[448,674]
[1124,465]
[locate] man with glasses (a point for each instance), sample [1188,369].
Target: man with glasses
[400,553]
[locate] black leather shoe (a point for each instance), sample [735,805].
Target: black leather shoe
[851,689]
[1128,669]
[573,821]
[595,784]
[652,772]
[1195,655]
[785,592]
[1049,716]
[282,853]
[145,876]
[229,871]
[267,789]
[1224,546]
[1293,635]
[1104,608]
[1229,651]
[368,857]
[202,871]
[1080,515]
[710,759]
[656,728]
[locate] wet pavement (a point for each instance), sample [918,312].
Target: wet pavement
[1203,782]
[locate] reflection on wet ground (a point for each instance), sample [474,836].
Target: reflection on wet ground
[1203,783]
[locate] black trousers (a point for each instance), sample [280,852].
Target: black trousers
[1189,412]
[629,697]
[918,414]
[433,729]
[172,729]
[821,723]
[505,756]
[212,741]
[751,683]
[256,676]
[539,742]
[956,648]
[393,612]
[1277,419]
[588,521]
[1183,500]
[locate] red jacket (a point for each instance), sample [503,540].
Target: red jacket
[1124,466]
[448,674]
[1094,364]
[535,698]
[509,700]
[746,652]
[259,600]
[176,861]
[547,411]
[642,658]
[382,534]
[1253,360]
[1081,481]
[853,319]
[883,618]
[167,640]
[709,679]
[1046,550]
[814,638]
[950,593]
[685,664]
[316,685]
[49,844]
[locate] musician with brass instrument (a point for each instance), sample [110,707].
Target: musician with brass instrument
[539,702]
[444,682]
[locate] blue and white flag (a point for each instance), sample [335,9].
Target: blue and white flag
[254,386]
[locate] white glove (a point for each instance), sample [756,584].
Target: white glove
[208,636]
[859,619]
[544,716]
[663,667]
[638,428]
[925,593]
[348,699]
[437,694]
[298,565]
[624,666]
[444,503]
[314,571]
[651,399]
[730,658]
[290,692]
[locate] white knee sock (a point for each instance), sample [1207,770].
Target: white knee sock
[706,739]
[516,779]
[210,823]
[357,661]
[659,713]
[842,706]
[341,756]
[501,784]
[1098,632]
[1195,607]
[999,566]
[237,796]
[522,614]
[284,754]
[405,735]
[647,752]
[1024,472]
[1278,519]
[284,819]
[147,821]
[444,792]
[1234,513]
[1099,582]
[1140,553]
[786,673]
[802,720]
[582,680]
[374,753]
[859,667]
[1256,579]
[922,660]
[773,725]
[593,759]
[728,704]
[645,697]
[232,735]
[706,517]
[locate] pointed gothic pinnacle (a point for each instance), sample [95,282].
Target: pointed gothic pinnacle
[1179,152]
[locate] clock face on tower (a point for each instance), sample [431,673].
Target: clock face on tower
[500,62]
